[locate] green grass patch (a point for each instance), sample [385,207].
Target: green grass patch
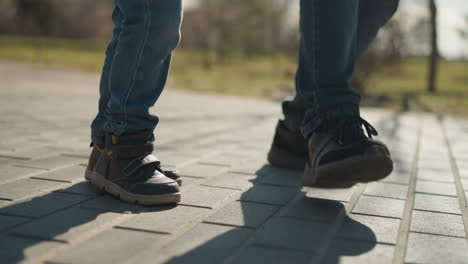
[269,76]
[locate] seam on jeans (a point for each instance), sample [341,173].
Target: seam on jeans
[137,66]
[314,52]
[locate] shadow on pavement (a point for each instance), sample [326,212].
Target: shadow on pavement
[281,245]
[17,239]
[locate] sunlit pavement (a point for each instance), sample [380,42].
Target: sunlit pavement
[235,207]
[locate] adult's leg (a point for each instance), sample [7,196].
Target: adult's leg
[326,27]
[137,65]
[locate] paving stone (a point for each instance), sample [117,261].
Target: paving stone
[24,250]
[28,187]
[110,246]
[342,195]
[424,248]
[291,178]
[202,170]
[70,224]
[314,209]
[42,205]
[249,167]
[173,158]
[204,243]
[34,152]
[111,204]
[69,174]
[350,251]
[387,190]
[239,181]
[257,254]
[436,188]
[398,177]
[435,175]
[293,234]
[207,196]
[243,214]
[223,160]
[7,221]
[49,163]
[7,161]
[168,219]
[82,187]
[437,223]
[436,203]
[380,206]
[269,194]
[8,173]
[370,228]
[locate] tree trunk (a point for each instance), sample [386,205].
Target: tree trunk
[434,56]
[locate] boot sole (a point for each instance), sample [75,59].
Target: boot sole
[349,172]
[88,175]
[107,186]
[284,159]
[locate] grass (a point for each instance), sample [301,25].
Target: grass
[262,76]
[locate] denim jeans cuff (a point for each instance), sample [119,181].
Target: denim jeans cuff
[314,119]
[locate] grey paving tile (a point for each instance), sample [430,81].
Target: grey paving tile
[42,205]
[202,170]
[435,175]
[398,177]
[53,162]
[269,194]
[24,250]
[174,158]
[379,206]
[69,174]
[207,196]
[8,173]
[249,167]
[314,209]
[82,187]
[69,225]
[34,152]
[108,203]
[168,219]
[222,159]
[257,254]
[437,223]
[7,161]
[243,214]
[111,246]
[436,188]
[436,203]
[239,181]
[370,228]
[347,251]
[291,178]
[424,248]
[204,243]
[293,234]
[7,221]
[342,195]
[388,190]
[28,187]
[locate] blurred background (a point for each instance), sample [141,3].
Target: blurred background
[249,48]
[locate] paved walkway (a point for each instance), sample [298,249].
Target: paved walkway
[235,207]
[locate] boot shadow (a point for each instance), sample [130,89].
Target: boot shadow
[276,249]
[48,219]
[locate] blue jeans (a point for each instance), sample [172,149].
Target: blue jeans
[333,35]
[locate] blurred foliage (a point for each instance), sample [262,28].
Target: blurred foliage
[262,75]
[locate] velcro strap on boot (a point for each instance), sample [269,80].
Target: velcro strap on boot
[140,162]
